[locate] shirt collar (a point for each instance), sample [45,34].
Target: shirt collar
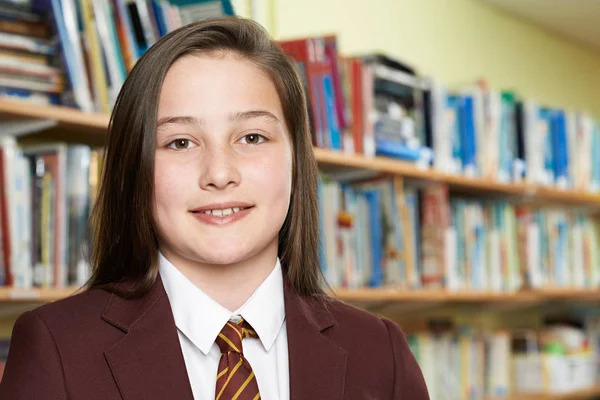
[201,318]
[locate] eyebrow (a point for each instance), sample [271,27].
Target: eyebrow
[181,120]
[252,114]
[234,117]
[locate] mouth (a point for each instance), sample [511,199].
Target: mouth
[221,212]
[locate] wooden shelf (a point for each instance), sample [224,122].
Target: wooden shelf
[579,395]
[66,117]
[458,183]
[426,296]
[365,295]
[34,294]
[368,295]
[75,125]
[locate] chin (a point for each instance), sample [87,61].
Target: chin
[223,256]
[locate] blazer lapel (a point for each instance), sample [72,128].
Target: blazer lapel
[317,366]
[148,362]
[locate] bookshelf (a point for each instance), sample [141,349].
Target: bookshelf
[33,123]
[14,295]
[90,128]
[467,297]
[367,295]
[461,184]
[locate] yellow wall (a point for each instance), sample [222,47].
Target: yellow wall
[455,41]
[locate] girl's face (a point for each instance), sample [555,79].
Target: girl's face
[223,166]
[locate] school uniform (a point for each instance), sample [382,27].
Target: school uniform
[99,346]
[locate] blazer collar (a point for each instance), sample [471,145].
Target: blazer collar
[317,364]
[148,362]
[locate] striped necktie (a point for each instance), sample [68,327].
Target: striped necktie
[235,378]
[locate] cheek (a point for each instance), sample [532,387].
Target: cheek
[275,176]
[169,186]
[269,181]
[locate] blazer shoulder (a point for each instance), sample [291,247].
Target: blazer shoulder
[356,320]
[382,345]
[76,310]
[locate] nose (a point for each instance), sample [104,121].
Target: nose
[219,169]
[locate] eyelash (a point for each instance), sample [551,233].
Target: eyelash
[188,141]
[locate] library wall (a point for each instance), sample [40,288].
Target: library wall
[455,41]
[448,241]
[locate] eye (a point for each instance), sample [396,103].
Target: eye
[180,144]
[253,138]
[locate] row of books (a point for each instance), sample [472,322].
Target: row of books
[383,232]
[483,132]
[465,363]
[82,50]
[29,69]
[46,194]
[375,105]
[78,52]
[375,233]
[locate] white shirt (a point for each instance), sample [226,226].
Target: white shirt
[199,319]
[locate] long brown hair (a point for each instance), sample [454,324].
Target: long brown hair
[124,245]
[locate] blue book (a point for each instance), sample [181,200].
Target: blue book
[226,5]
[70,54]
[559,144]
[561,252]
[331,113]
[453,102]
[395,149]
[546,117]
[411,197]
[468,134]
[374,200]
[161,21]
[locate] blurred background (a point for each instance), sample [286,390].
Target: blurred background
[458,143]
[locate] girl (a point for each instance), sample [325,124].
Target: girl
[206,281]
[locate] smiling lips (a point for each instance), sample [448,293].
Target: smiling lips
[222,214]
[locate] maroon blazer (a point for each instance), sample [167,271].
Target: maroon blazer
[99,346]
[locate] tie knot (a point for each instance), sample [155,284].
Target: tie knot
[230,337]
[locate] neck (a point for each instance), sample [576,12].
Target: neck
[230,285]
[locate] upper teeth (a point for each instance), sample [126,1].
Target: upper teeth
[222,213]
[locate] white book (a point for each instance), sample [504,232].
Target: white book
[584,140]
[441,124]
[499,364]
[495,261]
[9,145]
[22,261]
[490,147]
[80,84]
[534,143]
[369,147]
[579,279]
[534,258]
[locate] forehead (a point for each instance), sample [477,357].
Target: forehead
[209,85]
